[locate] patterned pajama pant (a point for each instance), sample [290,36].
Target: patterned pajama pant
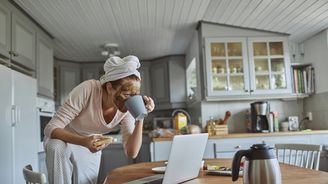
[71,164]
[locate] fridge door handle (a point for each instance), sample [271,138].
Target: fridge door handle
[13,116]
[18,110]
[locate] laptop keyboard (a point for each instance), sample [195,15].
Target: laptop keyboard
[155,179]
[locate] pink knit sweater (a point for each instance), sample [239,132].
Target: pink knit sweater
[82,114]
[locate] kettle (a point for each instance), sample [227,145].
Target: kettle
[260,166]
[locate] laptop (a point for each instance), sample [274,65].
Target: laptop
[184,162]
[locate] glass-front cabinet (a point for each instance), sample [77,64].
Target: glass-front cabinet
[246,66]
[227,66]
[269,66]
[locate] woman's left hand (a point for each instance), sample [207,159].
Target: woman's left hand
[149,103]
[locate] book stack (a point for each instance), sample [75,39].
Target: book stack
[303,78]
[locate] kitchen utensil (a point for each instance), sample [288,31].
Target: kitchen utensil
[260,166]
[136,107]
[226,117]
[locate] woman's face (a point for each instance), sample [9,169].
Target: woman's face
[128,88]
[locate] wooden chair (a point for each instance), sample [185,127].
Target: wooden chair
[302,155]
[32,177]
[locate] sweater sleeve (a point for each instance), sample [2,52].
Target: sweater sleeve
[127,127]
[74,104]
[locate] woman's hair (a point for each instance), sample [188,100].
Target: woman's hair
[118,82]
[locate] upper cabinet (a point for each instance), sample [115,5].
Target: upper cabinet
[247,66]
[269,66]
[45,65]
[68,77]
[23,46]
[145,81]
[26,47]
[227,66]
[168,81]
[92,71]
[5,44]
[243,63]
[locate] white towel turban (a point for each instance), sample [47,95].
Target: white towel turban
[116,68]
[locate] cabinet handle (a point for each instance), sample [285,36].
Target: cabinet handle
[246,90]
[237,147]
[252,90]
[13,116]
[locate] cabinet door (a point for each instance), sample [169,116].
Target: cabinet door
[6,129]
[26,139]
[160,82]
[160,150]
[69,78]
[45,66]
[23,41]
[92,71]
[145,83]
[112,157]
[269,66]
[226,66]
[4,29]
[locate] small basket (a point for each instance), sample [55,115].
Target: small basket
[220,129]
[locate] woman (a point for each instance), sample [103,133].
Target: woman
[94,108]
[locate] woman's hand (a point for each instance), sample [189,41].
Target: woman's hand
[149,103]
[89,143]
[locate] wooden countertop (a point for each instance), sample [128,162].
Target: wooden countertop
[290,174]
[244,135]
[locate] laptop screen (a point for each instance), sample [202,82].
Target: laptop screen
[185,158]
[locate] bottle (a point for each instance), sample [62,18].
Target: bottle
[276,121]
[210,126]
[271,122]
[180,121]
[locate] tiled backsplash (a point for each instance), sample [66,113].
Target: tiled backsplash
[318,105]
[237,122]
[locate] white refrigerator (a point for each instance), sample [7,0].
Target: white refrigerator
[18,125]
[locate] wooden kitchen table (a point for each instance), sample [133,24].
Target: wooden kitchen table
[290,174]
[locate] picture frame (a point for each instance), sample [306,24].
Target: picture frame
[293,123]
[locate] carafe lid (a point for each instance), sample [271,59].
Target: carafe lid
[261,151]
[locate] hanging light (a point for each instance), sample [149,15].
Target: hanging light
[110,49]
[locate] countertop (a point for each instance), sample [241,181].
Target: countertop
[244,135]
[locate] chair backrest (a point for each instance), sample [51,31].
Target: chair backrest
[302,155]
[32,177]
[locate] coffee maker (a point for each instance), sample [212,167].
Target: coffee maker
[259,116]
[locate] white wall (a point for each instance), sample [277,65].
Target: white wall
[316,52]
[237,123]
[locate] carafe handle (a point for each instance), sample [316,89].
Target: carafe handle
[236,162]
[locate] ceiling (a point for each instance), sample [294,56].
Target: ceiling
[155,28]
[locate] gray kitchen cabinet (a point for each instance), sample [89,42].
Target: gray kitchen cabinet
[23,37]
[5,43]
[227,147]
[160,150]
[92,71]
[144,153]
[69,77]
[247,66]
[168,82]
[145,80]
[112,157]
[45,65]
